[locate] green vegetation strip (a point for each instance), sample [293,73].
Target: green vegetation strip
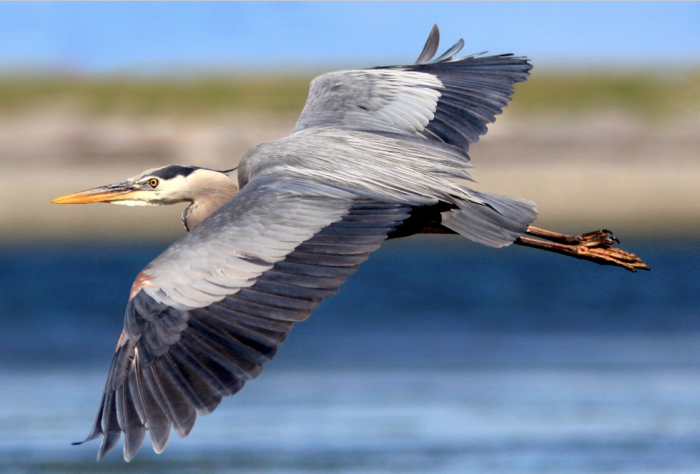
[644,95]
[648,95]
[146,96]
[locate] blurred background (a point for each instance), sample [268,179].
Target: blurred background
[439,356]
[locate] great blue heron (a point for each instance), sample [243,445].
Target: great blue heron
[373,156]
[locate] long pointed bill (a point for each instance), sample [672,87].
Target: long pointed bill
[113,192]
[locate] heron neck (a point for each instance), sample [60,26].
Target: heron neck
[200,209]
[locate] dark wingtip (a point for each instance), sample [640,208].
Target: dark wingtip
[94,434]
[431,46]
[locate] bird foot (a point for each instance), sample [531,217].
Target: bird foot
[601,252]
[594,246]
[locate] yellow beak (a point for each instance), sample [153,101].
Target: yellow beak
[113,192]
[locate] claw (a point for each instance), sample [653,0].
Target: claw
[611,236]
[593,239]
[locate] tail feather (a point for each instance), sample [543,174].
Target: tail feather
[490,219]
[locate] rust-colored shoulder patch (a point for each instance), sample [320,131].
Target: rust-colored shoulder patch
[142,279]
[120,341]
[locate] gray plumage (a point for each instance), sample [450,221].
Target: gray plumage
[373,156]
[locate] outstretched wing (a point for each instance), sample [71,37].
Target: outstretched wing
[214,307]
[448,100]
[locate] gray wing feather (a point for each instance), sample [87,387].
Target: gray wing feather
[153,417]
[447,100]
[240,241]
[431,46]
[447,55]
[382,165]
[175,362]
[129,421]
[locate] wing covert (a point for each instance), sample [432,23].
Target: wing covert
[175,361]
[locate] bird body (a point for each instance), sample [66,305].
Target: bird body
[376,154]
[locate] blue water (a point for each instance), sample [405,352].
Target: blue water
[437,357]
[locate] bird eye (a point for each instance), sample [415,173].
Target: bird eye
[153,182]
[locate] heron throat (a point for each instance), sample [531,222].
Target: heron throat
[199,210]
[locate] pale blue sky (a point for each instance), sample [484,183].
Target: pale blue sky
[146,37]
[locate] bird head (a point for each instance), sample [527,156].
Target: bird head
[167,185]
[205,189]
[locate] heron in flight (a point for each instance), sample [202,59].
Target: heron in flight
[375,155]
